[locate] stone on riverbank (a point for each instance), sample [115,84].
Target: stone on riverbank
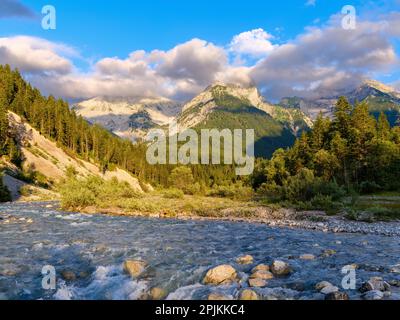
[280,268]
[134,267]
[221,275]
[248,295]
[248,259]
[329,290]
[320,285]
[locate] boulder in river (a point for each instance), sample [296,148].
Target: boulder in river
[307,257]
[218,297]
[280,268]
[265,275]
[337,296]
[329,290]
[373,295]
[257,282]
[261,267]
[221,275]
[134,267]
[320,285]
[248,295]
[247,259]
[375,283]
[157,293]
[68,275]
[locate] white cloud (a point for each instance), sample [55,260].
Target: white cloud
[35,55]
[311,3]
[255,43]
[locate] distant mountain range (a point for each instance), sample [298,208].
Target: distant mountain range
[230,106]
[380,98]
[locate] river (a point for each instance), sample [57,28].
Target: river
[179,253]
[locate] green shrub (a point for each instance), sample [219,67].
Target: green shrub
[367,187]
[181,178]
[81,193]
[173,193]
[235,191]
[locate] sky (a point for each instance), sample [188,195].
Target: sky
[176,48]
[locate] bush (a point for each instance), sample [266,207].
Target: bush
[173,193]
[80,193]
[181,178]
[236,192]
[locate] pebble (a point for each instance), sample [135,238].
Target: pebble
[329,289]
[257,282]
[248,295]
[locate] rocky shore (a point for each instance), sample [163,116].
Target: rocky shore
[289,218]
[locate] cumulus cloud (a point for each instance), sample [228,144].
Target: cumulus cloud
[35,55]
[326,60]
[311,3]
[14,8]
[255,43]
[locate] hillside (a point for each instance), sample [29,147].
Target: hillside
[51,162]
[224,106]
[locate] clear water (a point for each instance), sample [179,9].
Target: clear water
[178,252]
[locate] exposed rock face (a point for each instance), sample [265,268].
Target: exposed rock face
[221,275]
[248,259]
[134,267]
[280,268]
[248,295]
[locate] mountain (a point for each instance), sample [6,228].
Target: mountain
[230,106]
[379,96]
[128,117]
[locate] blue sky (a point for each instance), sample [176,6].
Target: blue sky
[98,30]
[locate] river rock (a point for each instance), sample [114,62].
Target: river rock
[373,295]
[68,275]
[265,275]
[328,253]
[280,268]
[218,297]
[337,296]
[395,268]
[157,293]
[329,289]
[395,283]
[224,274]
[375,283]
[307,257]
[134,267]
[320,285]
[257,282]
[261,267]
[248,295]
[248,259]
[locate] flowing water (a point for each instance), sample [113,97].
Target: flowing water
[179,253]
